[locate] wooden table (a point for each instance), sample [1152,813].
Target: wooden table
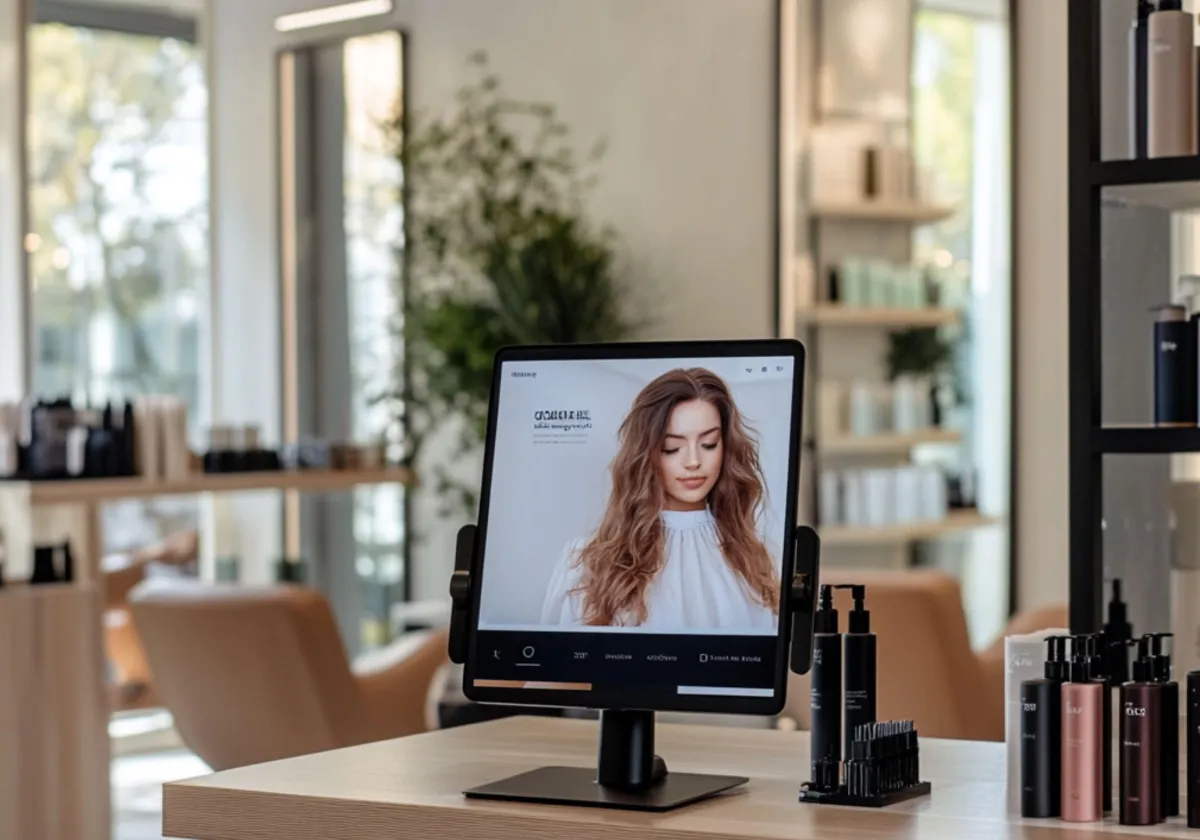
[411,788]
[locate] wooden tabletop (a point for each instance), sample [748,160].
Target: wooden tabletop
[411,788]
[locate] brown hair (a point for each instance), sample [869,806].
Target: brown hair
[621,560]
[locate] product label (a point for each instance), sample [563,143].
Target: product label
[1029,707]
[1074,710]
[1134,711]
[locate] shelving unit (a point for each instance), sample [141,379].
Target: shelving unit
[895,443]
[1166,183]
[955,523]
[838,315]
[56,717]
[882,210]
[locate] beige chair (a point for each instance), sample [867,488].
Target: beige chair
[926,670]
[257,674]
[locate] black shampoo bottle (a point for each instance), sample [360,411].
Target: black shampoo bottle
[825,741]
[859,686]
[1041,735]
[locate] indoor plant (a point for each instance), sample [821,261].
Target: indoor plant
[498,250]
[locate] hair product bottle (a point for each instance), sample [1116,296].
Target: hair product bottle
[1193,749]
[1139,50]
[1041,735]
[1141,734]
[1174,367]
[1160,672]
[859,684]
[825,740]
[1171,81]
[1117,633]
[1082,734]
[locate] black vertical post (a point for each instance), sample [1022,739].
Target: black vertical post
[1086,488]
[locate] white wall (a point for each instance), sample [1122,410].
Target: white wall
[1041,298]
[682,89]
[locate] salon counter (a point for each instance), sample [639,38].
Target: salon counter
[411,788]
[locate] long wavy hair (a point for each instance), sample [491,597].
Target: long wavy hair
[622,559]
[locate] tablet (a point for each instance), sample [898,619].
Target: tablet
[634,527]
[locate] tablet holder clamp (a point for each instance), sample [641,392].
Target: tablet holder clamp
[628,774]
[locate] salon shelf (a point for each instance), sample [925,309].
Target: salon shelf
[1148,440]
[98,490]
[884,444]
[838,315]
[895,210]
[958,522]
[1171,183]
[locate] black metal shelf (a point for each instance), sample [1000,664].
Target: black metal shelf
[1146,440]
[1169,183]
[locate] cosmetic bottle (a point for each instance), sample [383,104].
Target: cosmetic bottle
[859,661]
[1041,735]
[1094,644]
[1160,672]
[825,740]
[1139,51]
[1170,81]
[43,566]
[1117,633]
[1174,367]
[67,565]
[1082,733]
[1141,739]
[1193,749]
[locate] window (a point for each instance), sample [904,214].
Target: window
[118,208]
[961,123]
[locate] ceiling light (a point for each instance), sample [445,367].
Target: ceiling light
[333,14]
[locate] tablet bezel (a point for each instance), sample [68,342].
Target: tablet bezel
[624,698]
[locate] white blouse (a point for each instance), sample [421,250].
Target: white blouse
[695,589]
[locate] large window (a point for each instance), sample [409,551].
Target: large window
[961,129]
[118,209]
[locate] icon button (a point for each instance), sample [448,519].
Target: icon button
[528,652]
[779,368]
[495,654]
[704,657]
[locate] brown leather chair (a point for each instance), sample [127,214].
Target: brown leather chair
[132,684]
[257,674]
[926,669]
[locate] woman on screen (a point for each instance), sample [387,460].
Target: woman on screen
[678,546]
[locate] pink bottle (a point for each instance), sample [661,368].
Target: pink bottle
[1082,741]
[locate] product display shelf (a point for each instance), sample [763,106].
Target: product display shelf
[1171,183]
[892,443]
[955,523]
[90,490]
[892,210]
[839,315]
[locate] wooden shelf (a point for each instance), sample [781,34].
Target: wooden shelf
[1169,183]
[884,444]
[1149,440]
[955,523]
[892,210]
[837,315]
[86,491]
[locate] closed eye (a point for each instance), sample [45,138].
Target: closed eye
[670,451]
[709,446]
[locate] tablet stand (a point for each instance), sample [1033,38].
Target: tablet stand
[628,774]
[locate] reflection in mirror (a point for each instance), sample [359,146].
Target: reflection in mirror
[341,219]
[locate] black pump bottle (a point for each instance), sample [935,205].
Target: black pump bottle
[1117,633]
[825,740]
[1160,672]
[859,683]
[1041,735]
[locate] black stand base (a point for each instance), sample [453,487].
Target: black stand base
[629,775]
[840,797]
[578,786]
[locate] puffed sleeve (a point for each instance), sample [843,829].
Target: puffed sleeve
[562,606]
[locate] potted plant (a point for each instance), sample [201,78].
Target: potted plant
[498,250]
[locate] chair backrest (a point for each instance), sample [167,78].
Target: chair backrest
[249,674]
[926,670]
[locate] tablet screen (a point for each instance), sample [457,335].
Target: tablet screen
[637,514]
